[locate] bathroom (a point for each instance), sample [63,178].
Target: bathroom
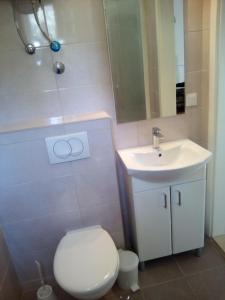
[51,96]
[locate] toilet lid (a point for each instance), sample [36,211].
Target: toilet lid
[85,260]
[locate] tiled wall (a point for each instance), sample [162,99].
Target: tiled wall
[197,58]
[30,90]
[9,285]
[39,202]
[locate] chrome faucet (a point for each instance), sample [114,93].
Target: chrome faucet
[156,137]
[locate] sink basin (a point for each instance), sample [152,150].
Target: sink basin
[172,159]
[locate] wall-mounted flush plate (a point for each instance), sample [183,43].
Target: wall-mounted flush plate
[69,147]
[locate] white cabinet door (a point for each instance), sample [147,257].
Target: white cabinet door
[188,214]
[153,223]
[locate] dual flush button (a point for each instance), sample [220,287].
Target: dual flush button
[67,147]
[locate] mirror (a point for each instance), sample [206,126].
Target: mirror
[146,45]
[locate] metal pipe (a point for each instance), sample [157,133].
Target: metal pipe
[29,48]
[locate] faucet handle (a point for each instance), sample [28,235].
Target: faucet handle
[156,131]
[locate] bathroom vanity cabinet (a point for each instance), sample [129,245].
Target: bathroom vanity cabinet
[167,217]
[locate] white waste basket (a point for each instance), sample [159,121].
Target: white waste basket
[128,271]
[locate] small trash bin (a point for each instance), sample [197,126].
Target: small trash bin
[128,271]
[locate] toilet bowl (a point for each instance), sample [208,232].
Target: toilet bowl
[86,263]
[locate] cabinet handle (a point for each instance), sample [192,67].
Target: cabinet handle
[165,200]
[179,198]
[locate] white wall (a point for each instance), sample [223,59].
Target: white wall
[219,171]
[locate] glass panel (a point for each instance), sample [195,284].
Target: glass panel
[125,46]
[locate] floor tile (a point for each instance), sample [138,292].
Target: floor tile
[29,296]
[208,285]
[159,271]
[180,277]
[210,258]
[61,295]
[116,293]
[220,240]
[173,290]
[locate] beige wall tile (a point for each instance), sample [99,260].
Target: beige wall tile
[29,135]
[85,20]
[204,126]
[193,120]
[19,107]
[99,214]
[26,73]
[205,49]
[38,198]
[206,14]
[86,64]
[125,135]
[204,109]
[28,161]
[205,89]
[193,42]
[193,16]
[94,98]
[8,32]
[194,84]
[172,128]
[89,126]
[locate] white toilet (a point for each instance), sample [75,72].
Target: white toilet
[86,263]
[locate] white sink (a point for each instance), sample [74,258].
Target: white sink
[172,159]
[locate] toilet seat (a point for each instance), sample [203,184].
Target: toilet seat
[86,261]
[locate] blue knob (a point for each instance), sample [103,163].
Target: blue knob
[55,46]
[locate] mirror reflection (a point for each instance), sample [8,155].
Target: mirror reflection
[146,45]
